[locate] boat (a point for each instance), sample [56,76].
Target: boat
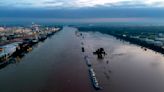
[50,34]
[29,49]
[92,73]
[42,38]
[94,79]
[34,41]
[88,62]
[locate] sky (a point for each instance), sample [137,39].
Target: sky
[80,3]
[77,10]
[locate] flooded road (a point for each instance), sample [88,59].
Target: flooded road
[57,65]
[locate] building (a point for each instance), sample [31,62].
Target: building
[158,43]
[149,41]
[7,50]
[2,29]
[159,39]
[3,38]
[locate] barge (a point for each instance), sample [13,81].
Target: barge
[94,79]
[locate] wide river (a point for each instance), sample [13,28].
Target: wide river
[58,65]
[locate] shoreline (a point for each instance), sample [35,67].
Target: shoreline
[135,41]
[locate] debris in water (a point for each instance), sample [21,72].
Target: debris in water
[83,49]
[100,53]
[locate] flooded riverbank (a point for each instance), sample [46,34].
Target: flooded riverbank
[54,65]
[127,67]
[58,65]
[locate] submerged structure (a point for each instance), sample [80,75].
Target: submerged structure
[100,53]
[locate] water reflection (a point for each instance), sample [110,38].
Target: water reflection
[17,58]
[12,60]
[58,65]
[127,67]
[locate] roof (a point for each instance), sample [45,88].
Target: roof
[8,49]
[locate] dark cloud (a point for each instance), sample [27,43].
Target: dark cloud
[96,12]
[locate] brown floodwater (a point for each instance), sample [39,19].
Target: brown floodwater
[58,65]
[127,67]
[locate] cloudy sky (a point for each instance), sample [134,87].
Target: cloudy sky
[80,3]
[78,10]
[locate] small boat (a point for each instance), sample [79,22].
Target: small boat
[29,49]
[88,62]
[42,38]
[34,41]
[83,50]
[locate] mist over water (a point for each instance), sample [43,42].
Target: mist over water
[98,21]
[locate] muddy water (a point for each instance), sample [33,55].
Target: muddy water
[127,67]
[57,65]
